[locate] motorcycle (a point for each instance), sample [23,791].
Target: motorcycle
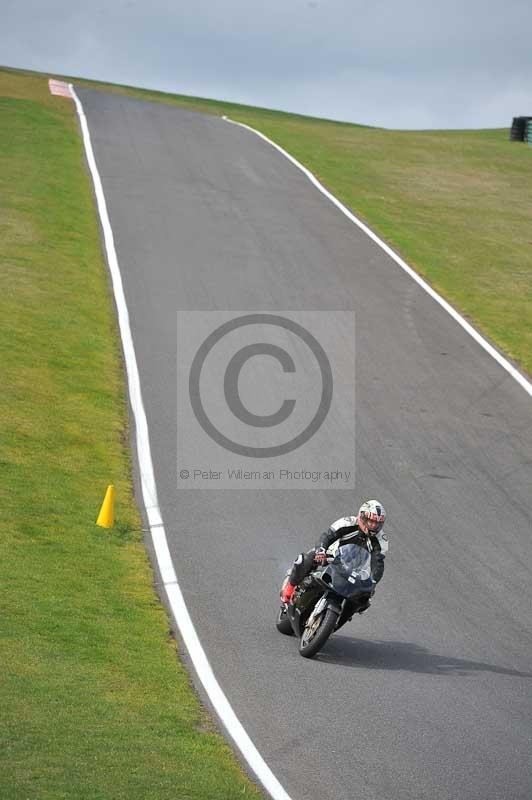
[328,598]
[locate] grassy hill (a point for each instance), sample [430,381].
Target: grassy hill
[94,702]
[456,205]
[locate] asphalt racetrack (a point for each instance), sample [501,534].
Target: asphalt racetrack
[429,694]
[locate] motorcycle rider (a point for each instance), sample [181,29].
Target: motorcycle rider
[364,530]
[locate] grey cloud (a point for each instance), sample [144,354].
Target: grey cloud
[403,64]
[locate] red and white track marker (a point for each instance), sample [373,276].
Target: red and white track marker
[59,88]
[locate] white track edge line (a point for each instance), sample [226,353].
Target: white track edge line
[149,494]
[521,380]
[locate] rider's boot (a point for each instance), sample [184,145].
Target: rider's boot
[287,591]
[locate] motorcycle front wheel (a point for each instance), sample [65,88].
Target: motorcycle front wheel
[315,636]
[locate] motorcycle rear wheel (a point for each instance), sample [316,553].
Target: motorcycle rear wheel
[312,641]
[282,622]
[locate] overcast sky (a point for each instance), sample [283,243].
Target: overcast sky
[404,64]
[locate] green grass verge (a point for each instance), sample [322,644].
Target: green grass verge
[456,205]
[94,702]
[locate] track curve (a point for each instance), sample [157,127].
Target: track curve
[428,695]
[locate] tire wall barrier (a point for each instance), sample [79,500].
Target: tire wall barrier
[521,130]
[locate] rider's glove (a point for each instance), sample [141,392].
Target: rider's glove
[320,556]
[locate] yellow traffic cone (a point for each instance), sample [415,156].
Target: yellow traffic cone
[106,517]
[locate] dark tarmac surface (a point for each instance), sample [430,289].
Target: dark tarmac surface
[429,694]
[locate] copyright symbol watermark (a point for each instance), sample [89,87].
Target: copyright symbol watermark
[231,385]
[264,394]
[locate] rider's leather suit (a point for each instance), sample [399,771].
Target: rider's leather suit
[343,531]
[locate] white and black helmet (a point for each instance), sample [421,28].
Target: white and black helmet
[371,517]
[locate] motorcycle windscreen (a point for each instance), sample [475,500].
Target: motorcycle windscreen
[351,570]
